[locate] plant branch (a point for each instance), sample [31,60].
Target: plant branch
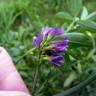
[35,80]
[30,50]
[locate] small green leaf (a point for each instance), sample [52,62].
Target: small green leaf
[84,13]
[78,40]
[70,79]
[79,68]
[88,25]
[63,16]
[73,6]
[91,16]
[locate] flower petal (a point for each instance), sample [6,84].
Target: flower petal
[57,60]
[56,31]
[45,31]
[52,31]
[61,45]
[60,49]
[37,40]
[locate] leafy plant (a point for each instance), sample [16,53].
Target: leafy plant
[21,20]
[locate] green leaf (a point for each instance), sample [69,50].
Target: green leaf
[91,16]
[80,86]
[73,76]
[78,40]
[88,25]
[84,13]
[63,16]
[73,6]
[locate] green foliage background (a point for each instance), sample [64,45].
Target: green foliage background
[20,20]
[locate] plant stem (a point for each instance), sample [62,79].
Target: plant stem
[35,79]
[71,25]
[30,50]
[36,73]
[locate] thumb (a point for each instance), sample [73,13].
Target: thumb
[10,80]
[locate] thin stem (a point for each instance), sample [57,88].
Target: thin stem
[35,80]
[71,25]
[36,73]
[30,50]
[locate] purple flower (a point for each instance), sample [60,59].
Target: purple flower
[37,40]
[56,31]
[52,31]
[45,31]
[44,34]
[57,60]
[61,45]
[54,49]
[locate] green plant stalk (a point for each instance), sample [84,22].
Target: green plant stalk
[78,87]
[28,52]
[36,76]
[35,80]
[70,26]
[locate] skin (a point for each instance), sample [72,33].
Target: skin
[11,83]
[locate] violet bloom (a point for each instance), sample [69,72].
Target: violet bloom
[61,45]
[57,48]
[44,34]
[52,31]
[57,60]
[37,40]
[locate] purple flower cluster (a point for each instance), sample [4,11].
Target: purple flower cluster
[55,49]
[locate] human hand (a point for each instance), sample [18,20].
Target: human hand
[10,80]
